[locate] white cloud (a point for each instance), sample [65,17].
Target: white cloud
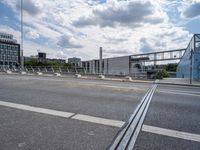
[123,13]
[192,11]
[32,35]
[67,41]
[31,7]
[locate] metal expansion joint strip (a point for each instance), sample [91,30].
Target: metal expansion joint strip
[126,138]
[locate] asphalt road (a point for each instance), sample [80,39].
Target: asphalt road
[22,127]
[74,114]
[177,109]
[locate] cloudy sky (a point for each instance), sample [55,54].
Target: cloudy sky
[77,28]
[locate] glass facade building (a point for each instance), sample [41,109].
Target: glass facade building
[9,50]
[189,65]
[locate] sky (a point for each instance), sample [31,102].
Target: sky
[77,28]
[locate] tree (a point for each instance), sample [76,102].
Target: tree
[162,74]
[171,67]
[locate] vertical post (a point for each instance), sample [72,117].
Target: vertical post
[192,48]
[191,53]
[93,67]
[180,54]
[22,35]
[162,55]
[100,60]
[155,59]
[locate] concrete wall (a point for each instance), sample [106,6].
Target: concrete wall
[112,66]
[117,66]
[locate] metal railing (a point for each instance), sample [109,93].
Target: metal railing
[68,70]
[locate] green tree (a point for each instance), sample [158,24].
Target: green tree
[162,74]
[171,67]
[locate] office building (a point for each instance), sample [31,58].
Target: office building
[9,50]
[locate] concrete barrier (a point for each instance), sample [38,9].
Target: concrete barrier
[8,72]
[39,73]
[78,75]
[57,74]
[23,72]
[128,78]
[101,77]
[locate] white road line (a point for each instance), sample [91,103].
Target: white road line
[37,109]
[179,93]
[91,119]
[171,133]
[99,120]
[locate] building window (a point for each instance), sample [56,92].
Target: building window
[9,47]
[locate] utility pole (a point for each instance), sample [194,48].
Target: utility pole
[22,38]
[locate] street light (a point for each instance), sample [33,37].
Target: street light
[22,35]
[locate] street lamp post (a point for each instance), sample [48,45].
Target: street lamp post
[22,35]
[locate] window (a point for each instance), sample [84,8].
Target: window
[13,58]
[16,47]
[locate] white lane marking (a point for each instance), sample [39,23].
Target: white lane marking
[99,120]
[91,119]
[37,109]
[170,92]
[171,133]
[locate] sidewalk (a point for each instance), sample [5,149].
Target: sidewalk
[179,81]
